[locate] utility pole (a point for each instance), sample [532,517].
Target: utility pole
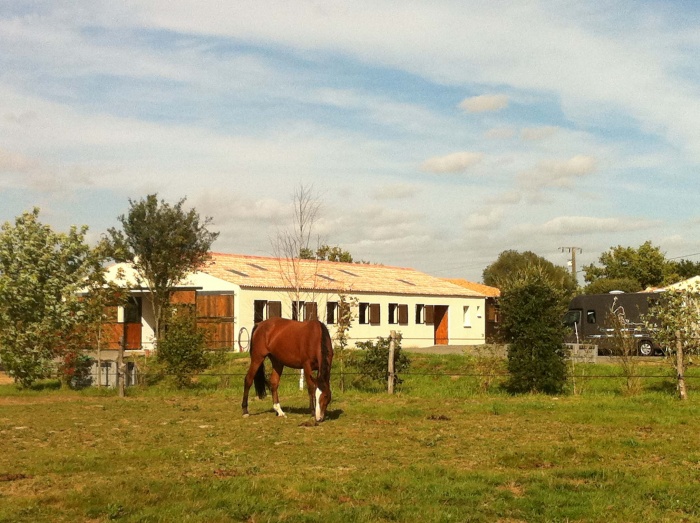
[572,250]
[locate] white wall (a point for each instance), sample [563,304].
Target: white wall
[414,335]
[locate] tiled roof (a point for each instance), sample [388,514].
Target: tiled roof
[491,292]
[277,273]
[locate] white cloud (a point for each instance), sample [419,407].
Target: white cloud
[558,173]
[11,162]
[452,163]
[500,133]
[488,219]
[538,133]
[587,225]
[395,191]
[484,103]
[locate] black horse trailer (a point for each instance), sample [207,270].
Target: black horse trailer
[588,319]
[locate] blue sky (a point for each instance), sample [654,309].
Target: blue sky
[436,134]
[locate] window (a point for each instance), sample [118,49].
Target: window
[132,310]
[332,312]
[259,310]
[467,316]
[370,313]
[420,313]
[363,315]
[297,310]
[398,313]
[572,317]
[263,309]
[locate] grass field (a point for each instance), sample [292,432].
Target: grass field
[439,450]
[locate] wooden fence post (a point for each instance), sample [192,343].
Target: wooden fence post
[392,343]
[120,368]
[680,367]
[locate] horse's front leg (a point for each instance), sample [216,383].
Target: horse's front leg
[311,387]
[277,369]
[255,363]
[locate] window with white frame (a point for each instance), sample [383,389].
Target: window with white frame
[467,316]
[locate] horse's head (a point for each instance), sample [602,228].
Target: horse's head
[323,399]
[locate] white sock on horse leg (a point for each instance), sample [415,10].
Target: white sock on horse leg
[278,409]
[318,405]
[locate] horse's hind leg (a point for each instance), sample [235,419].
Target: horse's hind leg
[277,369]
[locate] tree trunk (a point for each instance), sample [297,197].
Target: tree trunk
[680,367]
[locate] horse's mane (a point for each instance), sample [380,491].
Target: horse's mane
[326,348]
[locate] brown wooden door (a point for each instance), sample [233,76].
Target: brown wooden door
[215,315]
[441,325]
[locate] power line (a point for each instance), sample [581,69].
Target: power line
[685,256]
[572,250]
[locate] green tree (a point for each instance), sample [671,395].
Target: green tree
[685,269]
[334,254]
[375,358]
[532,307]
[606,285]
[164,243]
[347,307]
[511,262]
[41,276]
[646,265]
[674,321]
[182,348]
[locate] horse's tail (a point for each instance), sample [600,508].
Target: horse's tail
[324,372]
[259,381]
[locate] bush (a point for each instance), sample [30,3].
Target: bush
[75,370]
[182,350]
[375,359]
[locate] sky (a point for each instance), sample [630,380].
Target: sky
[435,134]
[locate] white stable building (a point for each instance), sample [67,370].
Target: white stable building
[233,292]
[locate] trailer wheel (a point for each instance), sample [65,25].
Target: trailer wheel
[646,348]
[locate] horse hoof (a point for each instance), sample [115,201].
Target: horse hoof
[246,415]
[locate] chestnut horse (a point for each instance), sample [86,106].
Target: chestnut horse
[290,343]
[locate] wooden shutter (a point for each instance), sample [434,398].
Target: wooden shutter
[274,309]
[310,311]
[374,314]
[429,314]
[403,314]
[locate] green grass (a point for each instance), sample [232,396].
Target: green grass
[439,450]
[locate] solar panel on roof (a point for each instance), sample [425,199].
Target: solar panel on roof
[239,273]
[257,267]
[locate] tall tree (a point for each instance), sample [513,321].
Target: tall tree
[674,322]
[646,265]
[163,243]
[292,245]
[511,262]
[532,307]
[41,275]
